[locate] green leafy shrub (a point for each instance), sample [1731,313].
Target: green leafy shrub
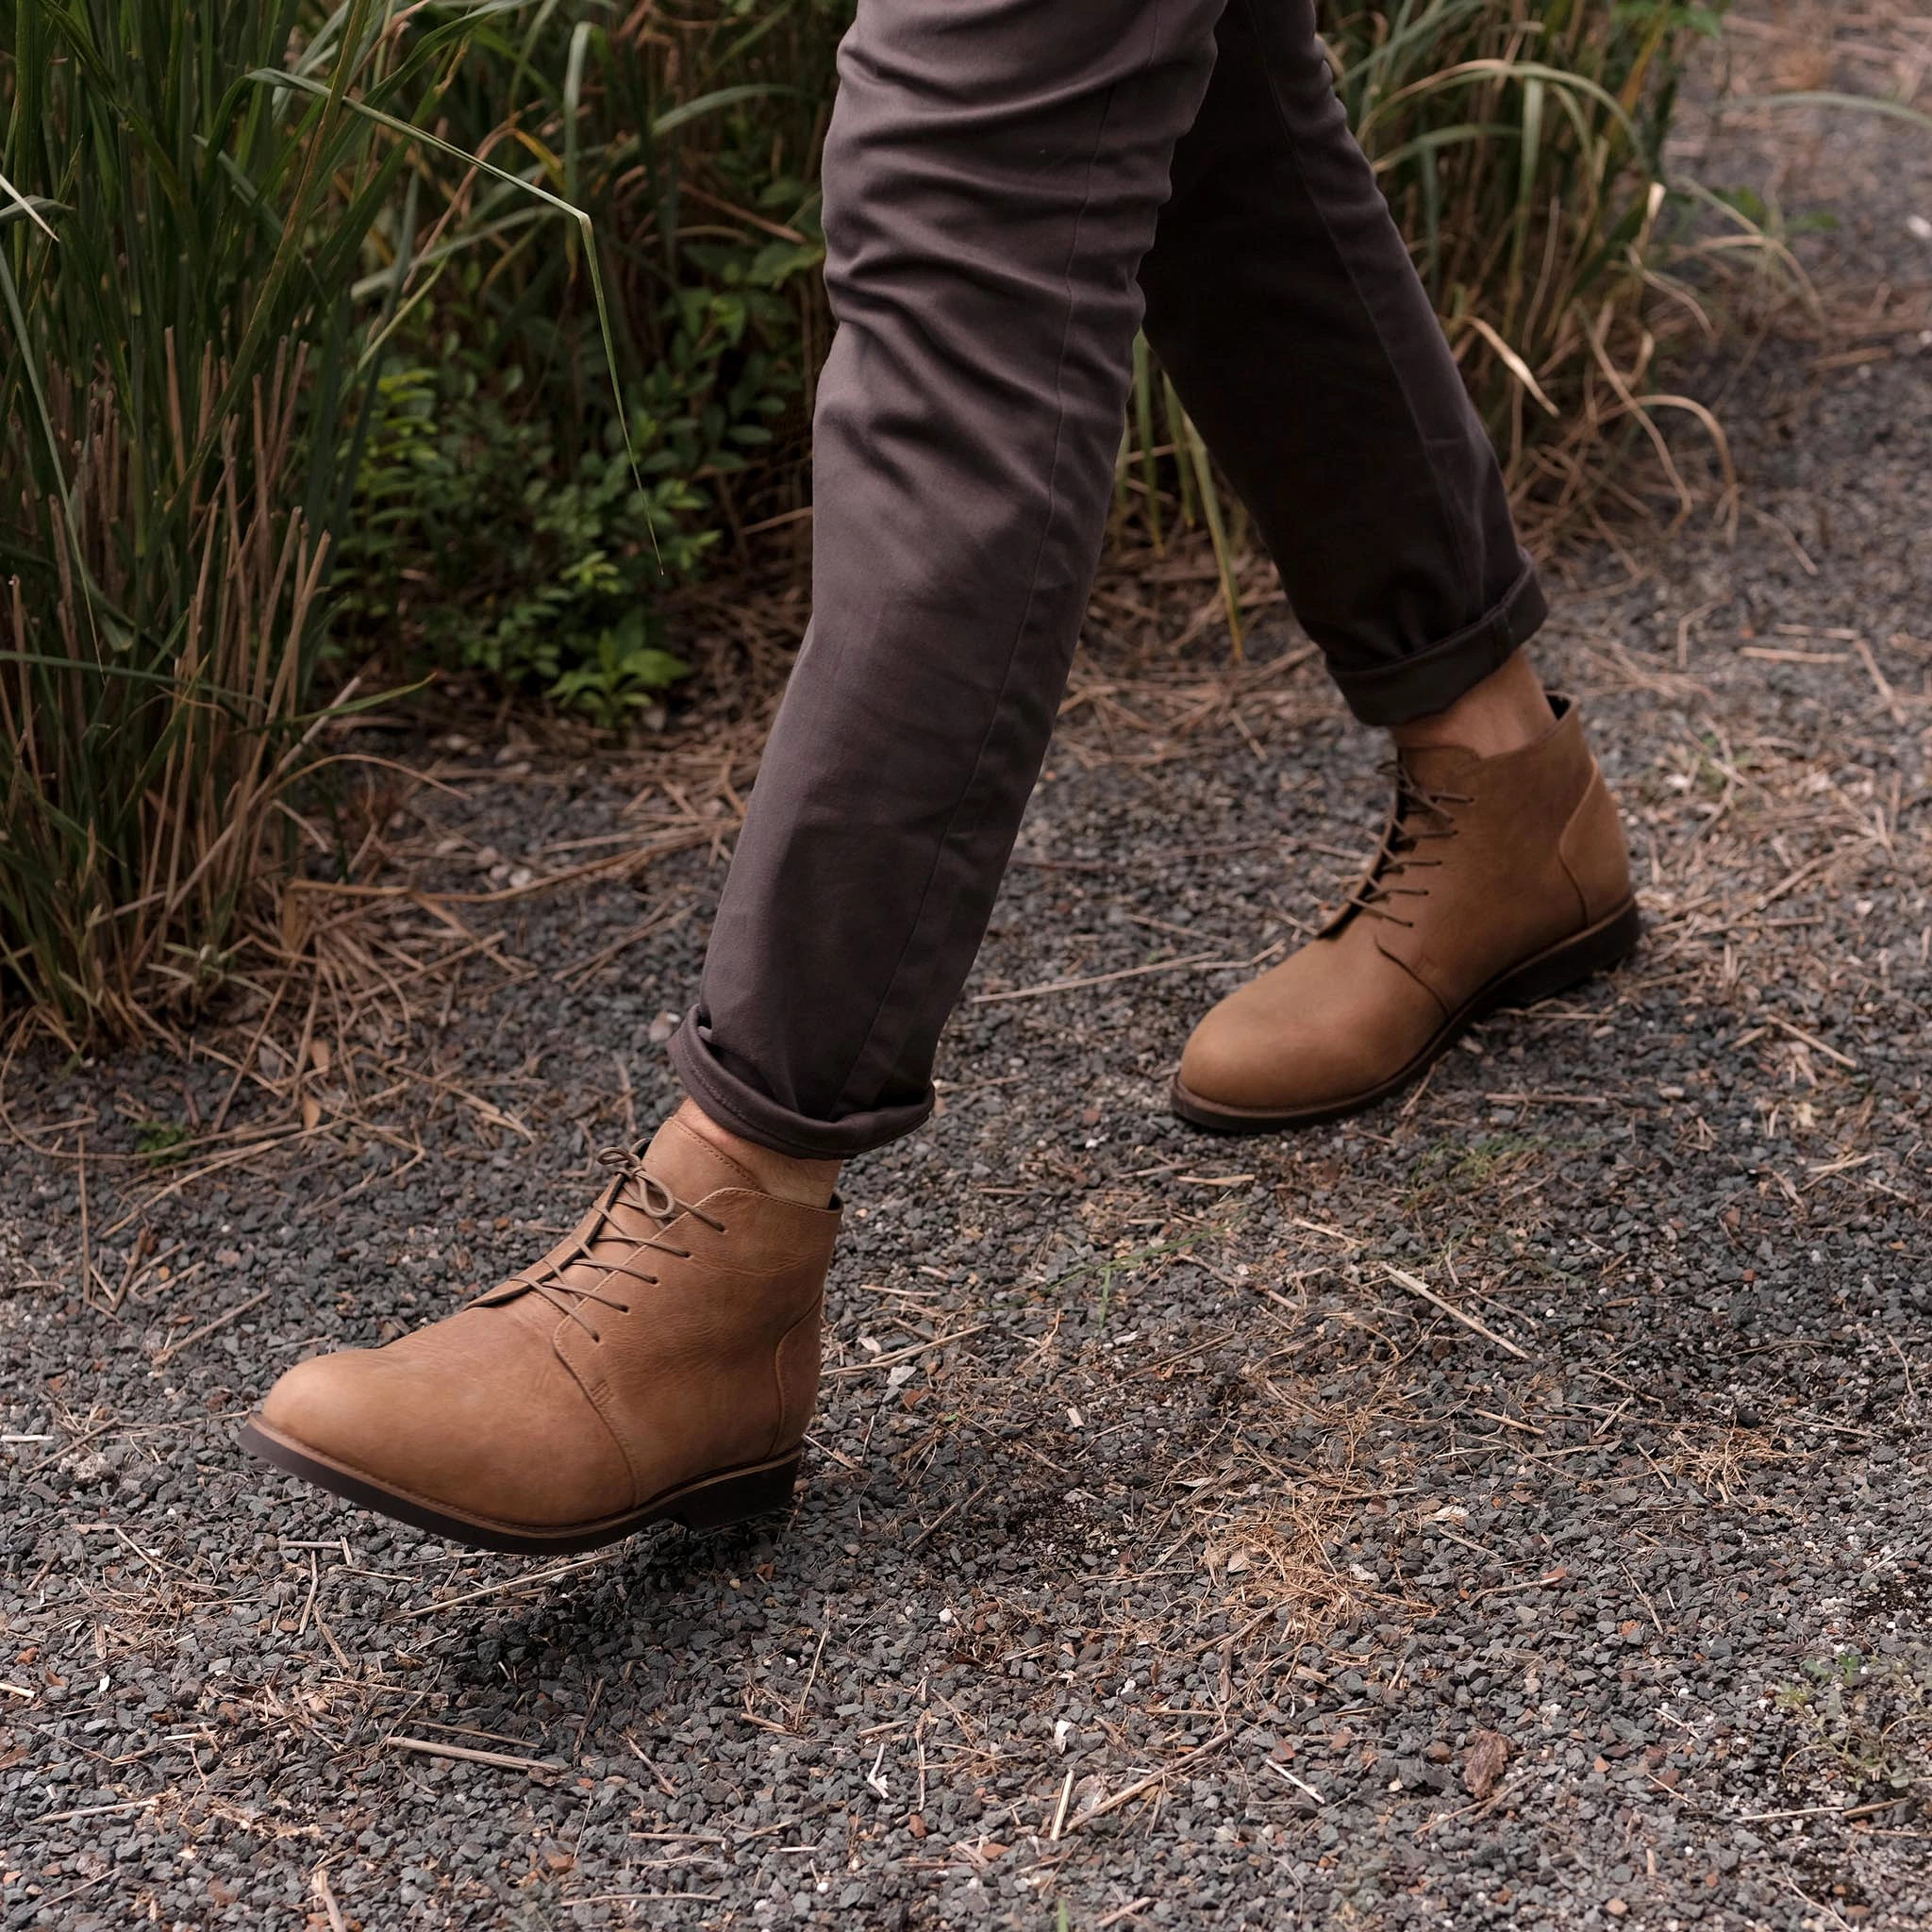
[487,537]
[499,528]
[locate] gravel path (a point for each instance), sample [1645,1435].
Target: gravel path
[1170,1557]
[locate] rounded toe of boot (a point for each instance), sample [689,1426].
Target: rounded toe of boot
[1240,1063]
[448,1441]
[319,1404]
[352,1422]
[1318,1037]
[1218,1062]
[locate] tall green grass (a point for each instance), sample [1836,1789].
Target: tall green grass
[187,190]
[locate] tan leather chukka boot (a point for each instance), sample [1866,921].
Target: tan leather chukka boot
[660,1361]
[1499,881]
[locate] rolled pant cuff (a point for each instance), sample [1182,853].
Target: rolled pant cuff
[745,1110]
[1433,680]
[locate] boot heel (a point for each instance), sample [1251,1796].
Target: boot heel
[734,1498]
[1595,951]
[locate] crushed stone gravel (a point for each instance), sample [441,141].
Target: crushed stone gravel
[1164,1560]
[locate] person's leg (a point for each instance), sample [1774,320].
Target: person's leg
[1282,300]
[992,176]
[992,180]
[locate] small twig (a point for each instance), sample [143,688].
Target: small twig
[1816,1046]
[1552,1099]
[60,1898]
[1887,697]
[137,1259]
[1911,1391]
[1275,1765]
[1402,1278]
[1490,1415]
[812,1678]
[86,1251]
[1060,1816]
[905,1354]
[1028,992]
[629,1099]
[1141,1786]
[590,1712]
[1646,1602]
[248,1151]
[207,1328]
[651,1765]
[1871,1810]
[248,1059]
[1797,549]
[325,1893]
[1506,1789]
[427,1748]
[946,1514]
[314,1585]
[328,1636]
[628,1898]
[95,1811]
[471,1596]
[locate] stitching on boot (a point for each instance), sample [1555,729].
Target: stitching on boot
[1441,1005]
[813,1314]
[598,1391]
[1585,910]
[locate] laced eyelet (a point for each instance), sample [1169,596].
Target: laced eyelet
[634,1188]
[1401,841]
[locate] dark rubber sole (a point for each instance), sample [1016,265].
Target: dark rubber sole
[1606,944]
[711,1503]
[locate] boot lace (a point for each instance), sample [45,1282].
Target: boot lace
[1419,817]
[633,1185]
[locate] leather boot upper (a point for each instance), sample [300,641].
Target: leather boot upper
[673,1333]
[1485,863]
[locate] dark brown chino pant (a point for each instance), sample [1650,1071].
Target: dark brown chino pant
[1008,184]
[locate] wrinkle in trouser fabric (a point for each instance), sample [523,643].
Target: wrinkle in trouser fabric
[994,180]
